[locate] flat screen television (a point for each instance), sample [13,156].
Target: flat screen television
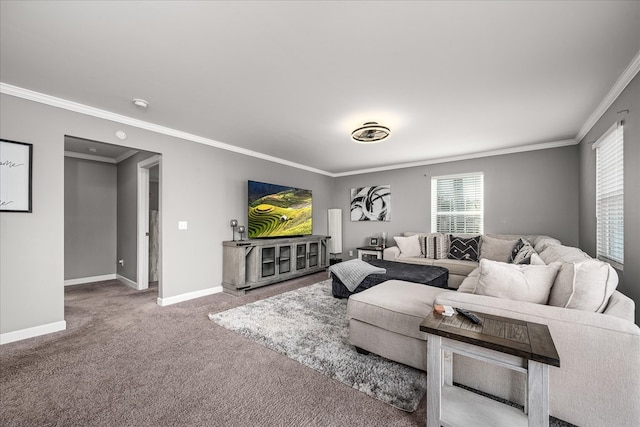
[278,211]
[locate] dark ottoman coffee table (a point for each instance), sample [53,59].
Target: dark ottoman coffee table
[424,274]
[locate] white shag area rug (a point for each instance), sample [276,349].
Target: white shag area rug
[310,326]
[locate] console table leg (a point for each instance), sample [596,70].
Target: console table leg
[447,367]
[538,394]
[434,380]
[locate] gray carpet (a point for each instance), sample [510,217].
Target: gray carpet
[310,325]
[125,361]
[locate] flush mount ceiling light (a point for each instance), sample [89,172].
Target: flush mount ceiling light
[370,132]
[121,135]
[140,103]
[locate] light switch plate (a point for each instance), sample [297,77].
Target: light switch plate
[182,225]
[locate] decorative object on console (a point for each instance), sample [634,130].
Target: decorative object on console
[370,132]
[241,231]
[371,203]
[233,223]
[464,249]
[373,241]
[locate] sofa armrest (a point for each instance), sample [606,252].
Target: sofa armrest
[621,306]
[391,253]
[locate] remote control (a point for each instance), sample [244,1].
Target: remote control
[469,315]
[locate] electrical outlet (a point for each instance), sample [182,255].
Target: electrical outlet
[121,262]
[350,253]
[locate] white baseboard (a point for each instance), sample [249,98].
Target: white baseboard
[35,331]
[188,296]
[91,279]
[127,282]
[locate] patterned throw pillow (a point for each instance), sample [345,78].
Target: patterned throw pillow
[521,253]
[464,249]
[437,246]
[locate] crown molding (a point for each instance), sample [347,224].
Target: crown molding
[629,73]
[53,101]
[477,155]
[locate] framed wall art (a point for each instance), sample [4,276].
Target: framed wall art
[15,176]
[371,203]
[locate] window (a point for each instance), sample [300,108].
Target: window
[457,203]
[610,195]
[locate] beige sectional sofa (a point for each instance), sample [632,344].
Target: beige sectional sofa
[592,324]
[458,269]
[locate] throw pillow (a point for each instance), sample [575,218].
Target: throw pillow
[562,289]
[586,286]
[437,246]
[529,283]
[496,249]
[470,282]
[422,237]
[409,246]
[464,249]
[522,252]
[536,260]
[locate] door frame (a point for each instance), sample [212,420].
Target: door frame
[143,221]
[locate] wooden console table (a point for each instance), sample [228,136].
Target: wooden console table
[521,346]
[249,264]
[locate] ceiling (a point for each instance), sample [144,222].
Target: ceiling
[289,81]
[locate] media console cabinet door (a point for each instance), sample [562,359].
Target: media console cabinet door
[249,264]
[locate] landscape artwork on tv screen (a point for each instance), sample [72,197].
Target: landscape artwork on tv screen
[278,211]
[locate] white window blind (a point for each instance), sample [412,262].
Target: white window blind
[457,204]
[610,195]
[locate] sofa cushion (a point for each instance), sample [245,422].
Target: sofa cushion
[455,266]
[563,254]
[530,283]
[394,305]
[540,243]
[585,285]
[409,246]
[470,282]
[496,249]
[462,248]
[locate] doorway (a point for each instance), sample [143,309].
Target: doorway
[149,236]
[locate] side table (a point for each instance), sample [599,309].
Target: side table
[518,345]
[370,252]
